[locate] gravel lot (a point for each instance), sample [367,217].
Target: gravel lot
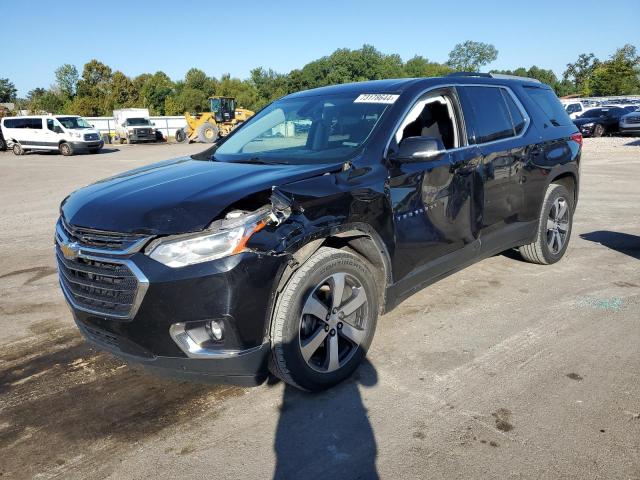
[504,370]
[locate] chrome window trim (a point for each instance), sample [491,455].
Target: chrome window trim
[456,85]
[141,289]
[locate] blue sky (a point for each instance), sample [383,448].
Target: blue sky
[173,36]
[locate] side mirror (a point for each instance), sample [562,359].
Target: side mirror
[153,124]
[419,149]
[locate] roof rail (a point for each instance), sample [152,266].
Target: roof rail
[493,75]
[469,74]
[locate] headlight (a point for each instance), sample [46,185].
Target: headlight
[588,124]
[77,135]
[222,239]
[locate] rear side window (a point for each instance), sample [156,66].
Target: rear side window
[492,118]
[550,105]
[35,123]
[517,118]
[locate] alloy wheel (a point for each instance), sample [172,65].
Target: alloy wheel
[334,322]
[558,225]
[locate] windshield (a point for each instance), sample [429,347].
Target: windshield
[137,121]
[305,130]
[74,122]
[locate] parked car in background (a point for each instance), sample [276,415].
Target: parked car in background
[574,108]
[68,134]
[280,251]
[630,123]
[599,121]
[133,125]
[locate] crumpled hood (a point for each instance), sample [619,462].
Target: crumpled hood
[176,196]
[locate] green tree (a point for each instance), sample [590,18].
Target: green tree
[154,89]
[94,89]
[419,66]
[7,91]
[122,92]
[269,85]
[470,56]
[579,72]
[617,76]
[67,79]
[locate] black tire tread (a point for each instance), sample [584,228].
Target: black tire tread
[277,362]
[533,252]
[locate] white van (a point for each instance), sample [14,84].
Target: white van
[68,134]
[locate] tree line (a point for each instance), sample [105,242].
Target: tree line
[98,90]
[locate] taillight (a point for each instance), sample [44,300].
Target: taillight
[577,137]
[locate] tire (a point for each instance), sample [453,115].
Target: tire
[17,149]
[3,144]
[551,243]
[181,136]
[122,140]
[159,136]
[208,133]
[598,130]
[66,149]
[310,288]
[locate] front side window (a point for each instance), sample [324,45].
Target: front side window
[432,116]
[304,130]
[491,113]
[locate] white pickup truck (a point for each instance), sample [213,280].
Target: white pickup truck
[133,125]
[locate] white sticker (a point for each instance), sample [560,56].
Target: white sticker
[376,98]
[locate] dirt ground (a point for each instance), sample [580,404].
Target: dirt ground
[503,370]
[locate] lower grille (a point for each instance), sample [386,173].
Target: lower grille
[102,287]
[101,337]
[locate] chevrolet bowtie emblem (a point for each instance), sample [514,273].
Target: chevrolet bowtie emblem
[70,250]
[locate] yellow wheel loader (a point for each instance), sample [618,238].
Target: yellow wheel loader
[208,126]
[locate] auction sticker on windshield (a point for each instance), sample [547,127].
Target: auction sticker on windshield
[376,98]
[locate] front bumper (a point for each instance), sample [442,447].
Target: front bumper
[237,290]
[630,129]
[83,146]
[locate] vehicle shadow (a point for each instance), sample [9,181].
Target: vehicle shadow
[620,242]
[327,435]
[633,143]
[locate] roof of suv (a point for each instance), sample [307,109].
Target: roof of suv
[399,85]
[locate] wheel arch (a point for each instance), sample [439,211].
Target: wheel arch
[568,180]
[358,238]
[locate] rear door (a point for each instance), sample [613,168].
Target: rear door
[497,121]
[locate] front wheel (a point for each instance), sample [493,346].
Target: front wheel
[554,227]
[66,149]
[598,130]
[324,320]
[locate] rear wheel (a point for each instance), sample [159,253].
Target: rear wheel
[66,149]
[554,227]
[17,149]
[324,320]
[208,133]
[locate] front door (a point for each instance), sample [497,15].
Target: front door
[434,201]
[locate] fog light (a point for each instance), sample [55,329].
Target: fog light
[216,330]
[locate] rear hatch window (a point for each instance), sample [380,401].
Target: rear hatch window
[550,105]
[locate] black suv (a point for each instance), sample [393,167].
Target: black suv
[278,247]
